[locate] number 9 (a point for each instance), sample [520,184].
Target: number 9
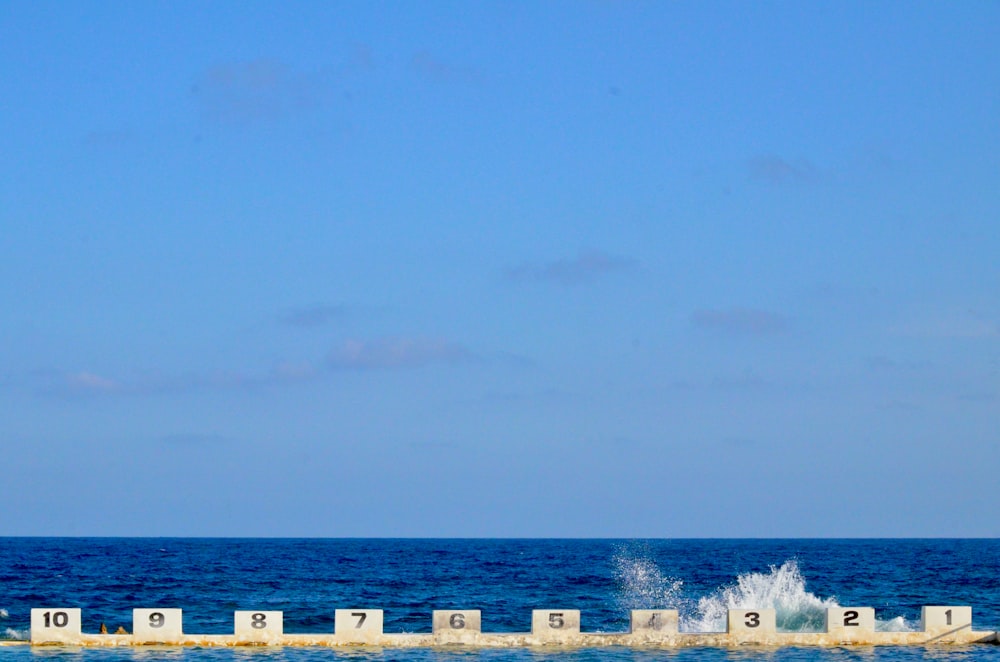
[156,620]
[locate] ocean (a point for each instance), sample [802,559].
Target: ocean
[308,579]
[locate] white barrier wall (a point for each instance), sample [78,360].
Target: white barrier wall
[849,623]
[754,622]
[945,619]
[654,623]
[358,625]
[555,624]
[157,626]
[457,621]
[648,627]
[258,627]
[55,625]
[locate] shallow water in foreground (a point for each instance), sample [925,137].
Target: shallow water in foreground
[308,579]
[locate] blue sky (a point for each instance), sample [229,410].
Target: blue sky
[500,269]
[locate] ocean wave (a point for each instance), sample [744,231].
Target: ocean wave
[16,635]
[642,585]
[782,589]
[4,613]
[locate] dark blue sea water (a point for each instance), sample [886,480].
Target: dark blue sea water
[307,579]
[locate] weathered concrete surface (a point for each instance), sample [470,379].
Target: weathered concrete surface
[584,640]
[358,626]
[258,627]
[653,624]
[550,627]
[456,626]
[157,626]
[55,625]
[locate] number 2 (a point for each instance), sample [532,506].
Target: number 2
[851,618]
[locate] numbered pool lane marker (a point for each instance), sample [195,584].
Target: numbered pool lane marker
[457,622]
[555,624]
[654,623]
[55,625]
[157,626]
[358,625]
[258,627]
[755,622]
[848,623]
[941,620]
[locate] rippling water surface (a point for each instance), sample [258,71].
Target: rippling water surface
[506,579]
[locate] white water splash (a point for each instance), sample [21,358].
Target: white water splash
[782,589]
[898,624]
[16,635]
[4,613]
[641,585]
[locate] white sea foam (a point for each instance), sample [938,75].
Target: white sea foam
[4,613]
[782,589]
[642,585]
[16,635]
[898,624]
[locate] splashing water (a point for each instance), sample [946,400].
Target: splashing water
[4,613]
[782,589]
[641,585]
[15,635]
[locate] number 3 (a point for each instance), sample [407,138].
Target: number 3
[753,619]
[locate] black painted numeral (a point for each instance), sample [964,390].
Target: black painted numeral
[457,621]
[556,621]
[655,622]
[258,621]
[361,616]
[60,619]
[947,616]
[851,618]
[752,619]
[157,619]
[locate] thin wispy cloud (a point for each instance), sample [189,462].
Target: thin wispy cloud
[311,316]
[193,439]
[246,92]
[741,321]
[396,353]
[969,325]
[771,169]
[360,355]
[584,268]
[433,68]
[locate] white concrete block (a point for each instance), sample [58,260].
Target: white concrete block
[358,625]
[850,622]
[463,621]
[751,621]
[258,627]
[654,622]
[555,624]
[55,625]
[945,619]
[157,626]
